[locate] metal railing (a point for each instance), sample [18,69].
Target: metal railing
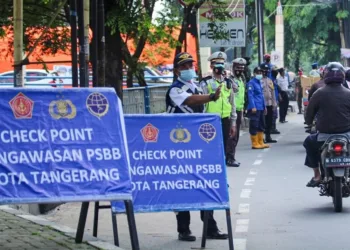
[145,100]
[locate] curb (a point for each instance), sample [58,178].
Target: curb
[93,241]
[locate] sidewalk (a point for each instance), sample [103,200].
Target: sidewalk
[19,232]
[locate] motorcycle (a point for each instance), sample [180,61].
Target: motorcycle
[335,168]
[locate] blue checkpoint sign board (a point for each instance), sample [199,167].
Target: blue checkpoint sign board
[176,163]
[62,145]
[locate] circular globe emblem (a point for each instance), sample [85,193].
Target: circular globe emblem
[207,132]
[97,104]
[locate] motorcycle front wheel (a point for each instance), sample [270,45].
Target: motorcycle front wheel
[337,194]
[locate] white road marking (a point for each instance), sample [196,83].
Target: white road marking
[249,181]
[253,171]
[241,133]
[242,226]
[243,208]
[246,193]
[266,149]
[260,155]
[240,244]
[257,162]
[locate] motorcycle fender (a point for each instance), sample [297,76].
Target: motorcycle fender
[338,172]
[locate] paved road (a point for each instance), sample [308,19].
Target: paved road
[271,207]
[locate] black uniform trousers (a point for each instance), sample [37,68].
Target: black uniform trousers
[233,141]
[268,120]
[284,104]
[184,217]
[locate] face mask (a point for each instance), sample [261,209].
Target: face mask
[218,70]
[259,77]
[188,74]
[268,60]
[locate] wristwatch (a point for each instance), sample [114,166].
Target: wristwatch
[212,96]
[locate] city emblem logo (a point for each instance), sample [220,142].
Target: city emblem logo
[97,104]
[62,109]
[22,106]
[149,133]
[180,134]
[207,132]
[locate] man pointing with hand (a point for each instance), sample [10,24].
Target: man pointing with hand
[184,96]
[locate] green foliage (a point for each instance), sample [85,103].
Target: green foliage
[36,16]
[311,31]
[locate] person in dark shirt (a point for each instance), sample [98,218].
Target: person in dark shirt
[332,106]
[346,83]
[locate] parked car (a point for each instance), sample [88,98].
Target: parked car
[35,78]
[148,71]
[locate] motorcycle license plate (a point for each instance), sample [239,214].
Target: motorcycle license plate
[337,162]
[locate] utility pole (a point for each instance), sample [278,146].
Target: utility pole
[82,45]
[101,44]
[94,43]
[259,21]
[74,50]
[86,38]
[18,42]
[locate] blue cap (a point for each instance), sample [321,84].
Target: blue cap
[314,64]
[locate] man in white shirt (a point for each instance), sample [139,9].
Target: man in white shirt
[283,83]
[184,96]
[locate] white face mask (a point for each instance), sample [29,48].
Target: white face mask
[259,77]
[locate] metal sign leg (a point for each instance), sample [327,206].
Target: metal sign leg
[205,229]
[82,221]
[132,225]
[229,229]
[95,228]
[115,229]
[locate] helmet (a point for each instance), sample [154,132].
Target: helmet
[334,72]
[267,56]
[257,70]
[264,67]
[239,64]
[347,75]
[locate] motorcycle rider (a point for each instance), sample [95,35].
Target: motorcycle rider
[238,67]
[332,106]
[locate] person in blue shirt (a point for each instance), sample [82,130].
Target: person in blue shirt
[256,110]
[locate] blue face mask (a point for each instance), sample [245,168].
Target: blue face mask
[187,75]
[259,77]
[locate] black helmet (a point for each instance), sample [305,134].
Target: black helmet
[257,70]
[347,75]
[264,67]
[334,73]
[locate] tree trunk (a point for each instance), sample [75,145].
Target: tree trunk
[114,67]
[341,31]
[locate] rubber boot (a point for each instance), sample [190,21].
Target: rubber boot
[261,140]
[255,143]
